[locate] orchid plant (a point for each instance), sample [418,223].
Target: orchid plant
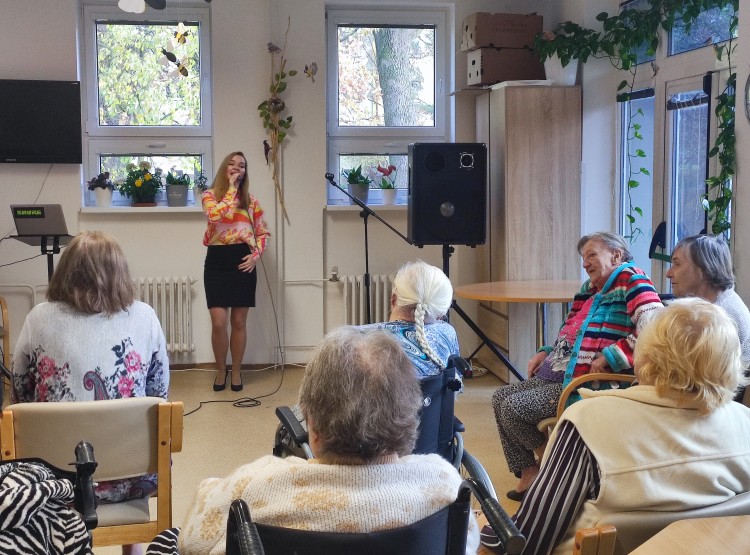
[388,179]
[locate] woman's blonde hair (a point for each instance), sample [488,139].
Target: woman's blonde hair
[691,350]
[92,275]
[220,185]
[427,291]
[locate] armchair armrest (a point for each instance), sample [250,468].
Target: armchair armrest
[580,380]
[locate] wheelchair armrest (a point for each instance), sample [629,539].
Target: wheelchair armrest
[292,425]
[242,535]
[511,538]
[85,500]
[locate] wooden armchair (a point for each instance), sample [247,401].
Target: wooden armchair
[546,425]
[621,533]
[131,437]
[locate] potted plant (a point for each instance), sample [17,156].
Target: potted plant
[358,184]
[141,185]
[200,185]
[388,183]
[177,188]
[103,188]
[562,49]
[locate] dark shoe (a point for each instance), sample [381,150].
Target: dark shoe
[489,539]
[237,387]
[221,386]
[516,495]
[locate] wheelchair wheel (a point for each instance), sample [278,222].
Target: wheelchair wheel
[471,467]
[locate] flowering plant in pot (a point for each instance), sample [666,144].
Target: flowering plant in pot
[141,184]
[388,183]
[103,187]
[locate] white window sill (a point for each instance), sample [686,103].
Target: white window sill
[373,207]
[140,209]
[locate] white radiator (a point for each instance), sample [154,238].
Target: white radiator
[355,307]
[171,299]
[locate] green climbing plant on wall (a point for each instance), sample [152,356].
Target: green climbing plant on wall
[635,33]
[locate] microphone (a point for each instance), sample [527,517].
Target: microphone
[329,177]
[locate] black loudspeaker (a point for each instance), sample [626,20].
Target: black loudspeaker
[447,194]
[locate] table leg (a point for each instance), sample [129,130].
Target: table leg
[541,325]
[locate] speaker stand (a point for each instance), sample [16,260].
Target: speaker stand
[447,251]
[365,214]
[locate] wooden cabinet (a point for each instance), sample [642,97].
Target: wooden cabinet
[533,135]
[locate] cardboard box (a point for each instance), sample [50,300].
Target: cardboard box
[499,30]
[488,66]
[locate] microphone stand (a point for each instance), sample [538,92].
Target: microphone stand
[365,214]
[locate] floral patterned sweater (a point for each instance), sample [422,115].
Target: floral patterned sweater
[65,355]
[228,224]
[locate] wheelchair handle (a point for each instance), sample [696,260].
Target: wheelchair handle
[85,500]
[242,535]
[293,426]
[460,364]
[511,538]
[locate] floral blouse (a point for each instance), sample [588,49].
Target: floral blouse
[65,355]
[228,224]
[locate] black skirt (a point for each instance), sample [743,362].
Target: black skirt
[226,285]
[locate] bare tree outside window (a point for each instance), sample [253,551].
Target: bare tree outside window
[386,76]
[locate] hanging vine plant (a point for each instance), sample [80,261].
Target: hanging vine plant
[717,201]
[623,36]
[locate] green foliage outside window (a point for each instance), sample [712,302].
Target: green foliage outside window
[134,87]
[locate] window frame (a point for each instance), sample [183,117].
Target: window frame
[682,67]
[385,140]
[147,140]
[94,13]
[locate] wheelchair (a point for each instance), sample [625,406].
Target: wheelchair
[439,429]
[442,533]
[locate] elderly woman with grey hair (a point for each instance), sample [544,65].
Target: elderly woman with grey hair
[361,402]
[702,267]
[598,335]
[422,296]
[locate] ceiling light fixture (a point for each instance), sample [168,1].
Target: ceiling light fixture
[132,6]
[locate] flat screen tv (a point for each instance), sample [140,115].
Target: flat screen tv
[40,121]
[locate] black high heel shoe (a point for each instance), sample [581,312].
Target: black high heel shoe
[221,386]
[237,387]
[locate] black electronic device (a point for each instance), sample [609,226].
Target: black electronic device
[447,194]
[40,121]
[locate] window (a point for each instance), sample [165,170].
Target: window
[386,89]
[688,123]
[637,186]
[147,91]
[710,27]
[673,104]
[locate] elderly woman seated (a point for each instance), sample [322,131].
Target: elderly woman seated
[702,267]
[361,401]
[598,335]
[422,296]
[673,442]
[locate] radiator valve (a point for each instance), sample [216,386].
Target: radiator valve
[334,274]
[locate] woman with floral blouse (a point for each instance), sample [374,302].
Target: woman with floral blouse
[236,237]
